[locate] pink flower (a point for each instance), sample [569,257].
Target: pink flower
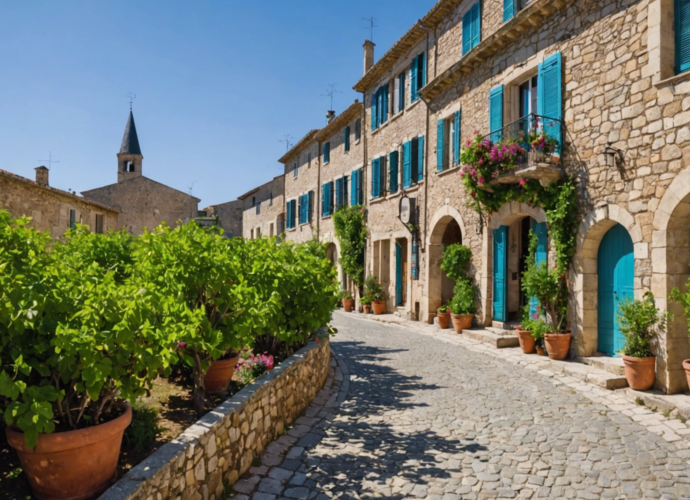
[476,132]
[462,174]
[535,316]
[182,345]
[523,182]
[481,180]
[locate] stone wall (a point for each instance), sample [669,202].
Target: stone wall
[221,446]
[262,209]
[229,217]
[145,203]
[50,207]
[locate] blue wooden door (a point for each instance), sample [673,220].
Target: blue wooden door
[500,272]
[616,268]
[398,275]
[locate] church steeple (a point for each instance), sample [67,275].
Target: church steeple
[129,159]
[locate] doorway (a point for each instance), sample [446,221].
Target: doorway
[400,272]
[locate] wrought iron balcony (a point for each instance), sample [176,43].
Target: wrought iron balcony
[541,151]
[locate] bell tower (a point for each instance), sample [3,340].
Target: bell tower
[129,158]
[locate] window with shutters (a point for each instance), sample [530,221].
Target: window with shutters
[358,130]
[413,161]
[258,208]
[346,138]
[681,17]
[378,177]
[471,28]
[327,152]
[512,7]
[295,170]
[393,170]
[399,93]
[72,219]
[327,199]
[417,76]
[356,194]
[448,142]
[291,216]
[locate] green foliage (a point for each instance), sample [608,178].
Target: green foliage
[483,161]
[366,300]
[684,300]
[547,285]
[351,231]
[535,325]
[144,430]
[444,308]
[641,322]
[464,297]
[344,294]
[456,259]
[374,289]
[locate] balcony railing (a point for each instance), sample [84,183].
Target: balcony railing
[542,149]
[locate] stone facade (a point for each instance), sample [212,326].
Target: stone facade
[52,209]
[143,203]
[229,216]
[220,447]
[263,210]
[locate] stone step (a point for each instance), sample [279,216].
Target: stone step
[498,340]
[661,402]
[500,331]
[592,375]
[606,363]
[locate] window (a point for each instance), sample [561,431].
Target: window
[99,224]
[379,107]
[681,15]
[305,205]
[258,208]
[448,142]
[393,172]
[258,233]
[378,177]
[471,28]
[72,219]
[327,199]
[270,230]
[528,94]
[291,214]
[251,234]
[356,194]
[340,193]
[346,138]
[511,7]
[413,161]
[399,94]
[327,152]
[358,129]
[295,170]
[496,113]
[417,76]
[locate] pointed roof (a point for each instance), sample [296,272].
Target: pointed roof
[130,141]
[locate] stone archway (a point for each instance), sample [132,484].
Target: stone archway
[508,215]
[447,227]
[584,277]
[670,255]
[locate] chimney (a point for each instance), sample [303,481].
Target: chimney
[368,55]
[330,115]
[42,175]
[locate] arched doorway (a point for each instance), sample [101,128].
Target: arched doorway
[447,228]
[616,271]
[451,235]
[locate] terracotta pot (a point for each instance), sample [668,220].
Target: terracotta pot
[527,342]
[540,351]
[557,345]
[367,308]
[457,322]
[379,307]
[686,367]
[348,304]
[639,372]
[467,320]
[443,320]
[219,374]
[72,465]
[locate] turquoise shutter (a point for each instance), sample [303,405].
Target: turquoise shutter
[456,139]
[384,111]
[353,189]
[374,110]
[413,80]
[346,138]
[401,96]
[541,231]
[500,272]
[682,29]
[508,10]
[324,207]
[407,164]
[360,181]
[420,159]
[467,31]
[289,215]
[326,152]
[440,125]
[393,172]
[476,24]
[550,100]
[496,113]
[375,178]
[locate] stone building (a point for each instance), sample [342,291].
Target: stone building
[263,210]
[342,179]
[301,184]
[142,202]
[52,210]
[228,217]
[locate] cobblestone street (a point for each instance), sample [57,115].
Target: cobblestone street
[406,415]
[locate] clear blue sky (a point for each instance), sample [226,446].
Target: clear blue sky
[218,84]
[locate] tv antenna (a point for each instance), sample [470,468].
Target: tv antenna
[331,92]
[50,160]
[372,24]
[191,187]
[131,96]
[287,139]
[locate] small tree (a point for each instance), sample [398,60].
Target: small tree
[455,263]
[351,231]
[641,322]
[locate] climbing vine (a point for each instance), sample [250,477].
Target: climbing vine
[351,231]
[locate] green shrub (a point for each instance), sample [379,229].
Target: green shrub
[464,297]
[374,289]
[351,231]
[456,259]
[366,300]
[640,322]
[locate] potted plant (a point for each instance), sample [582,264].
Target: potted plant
[443,314]
[640,322]
[464,304]
[524,333]
[366,303]
[374,290]
[347,300]
[549,287]
[684,300]
[219,374]
[87,344]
